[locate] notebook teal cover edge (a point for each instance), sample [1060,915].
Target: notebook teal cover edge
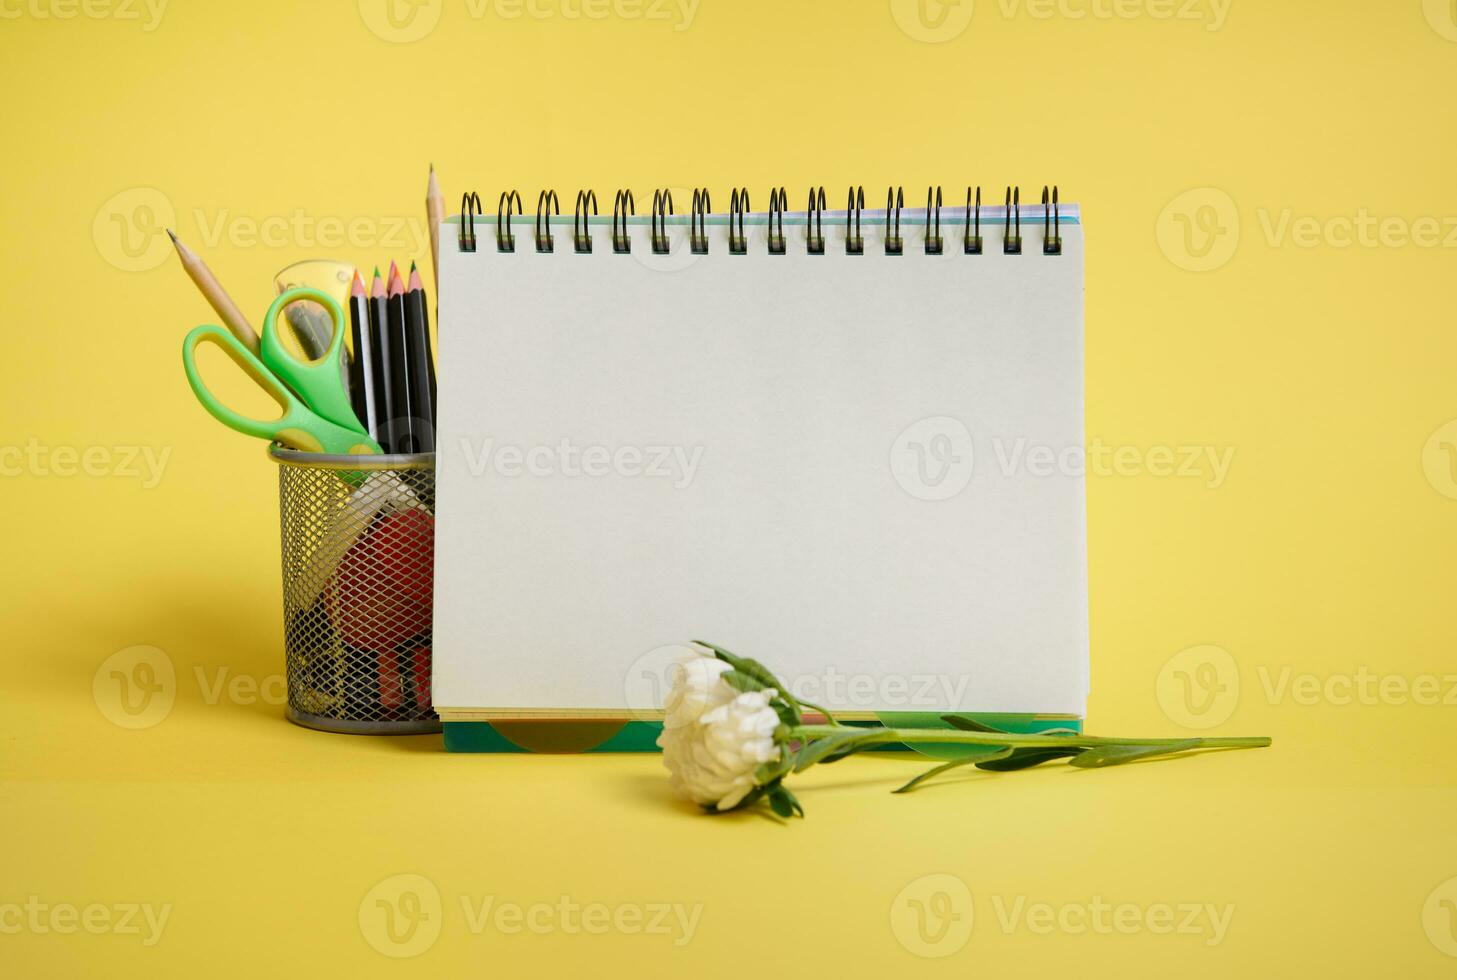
[641,736]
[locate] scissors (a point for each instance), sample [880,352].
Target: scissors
[316,413]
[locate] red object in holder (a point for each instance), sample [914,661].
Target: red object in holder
[382,593]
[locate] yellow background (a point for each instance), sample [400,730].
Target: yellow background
[1327,550]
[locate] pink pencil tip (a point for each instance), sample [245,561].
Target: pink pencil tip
[357,287]
[397,285]
[394,269]
[415,280]
[376,288]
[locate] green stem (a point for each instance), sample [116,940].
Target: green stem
[910,736]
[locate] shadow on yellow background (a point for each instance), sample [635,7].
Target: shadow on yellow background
[1270,219]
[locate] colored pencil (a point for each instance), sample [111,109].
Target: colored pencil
[379,344]
[434,214]
[311,326]
[361,368]
[421,364]
[402,398]
[216,296]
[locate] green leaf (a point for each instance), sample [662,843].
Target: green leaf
[740,681]
[1116,755]
[817,750]
[971,725]
[953,764]
[758,672]
[784,803]
[778,769]
[1027,758]
[750,798]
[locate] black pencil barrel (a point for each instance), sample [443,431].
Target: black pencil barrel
[422,371]
[361,368]
[401,429]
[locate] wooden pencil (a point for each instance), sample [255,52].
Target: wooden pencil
[216,296]
[434,214]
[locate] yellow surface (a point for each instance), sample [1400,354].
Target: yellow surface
[1269,200]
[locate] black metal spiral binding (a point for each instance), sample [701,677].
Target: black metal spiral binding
[662,207]
[1051,229]
[934,242]
[698,222]
[814,224]
[894,199]
[972,236]
[546,206]
[622,209]
[510,204]
[1012,236]
[738,208]
[854,241]
[470,206]
[581,232]
[778,201]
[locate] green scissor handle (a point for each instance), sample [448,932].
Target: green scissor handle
[320,383]
[298,427]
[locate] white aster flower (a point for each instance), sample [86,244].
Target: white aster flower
[733,732]
[715,738]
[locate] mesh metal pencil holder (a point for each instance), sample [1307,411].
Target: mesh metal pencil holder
[358,540]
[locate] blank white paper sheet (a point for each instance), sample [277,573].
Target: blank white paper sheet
[862,470]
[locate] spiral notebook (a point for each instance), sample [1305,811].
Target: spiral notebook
[841,442]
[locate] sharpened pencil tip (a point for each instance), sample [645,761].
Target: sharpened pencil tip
[376,272]
[171,236]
